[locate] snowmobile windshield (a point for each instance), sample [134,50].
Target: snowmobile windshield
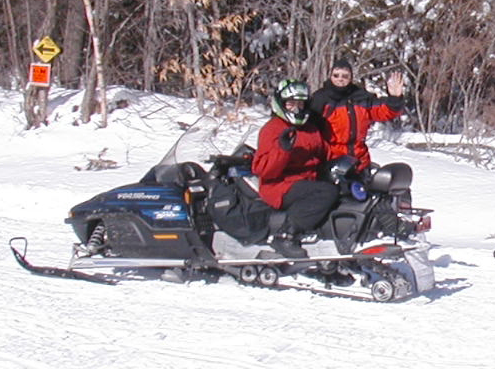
[208,136]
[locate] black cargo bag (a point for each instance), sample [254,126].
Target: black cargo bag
[244,218]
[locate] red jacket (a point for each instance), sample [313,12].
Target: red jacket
[348,117]
[278,169]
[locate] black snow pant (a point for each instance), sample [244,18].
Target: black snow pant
[308,202]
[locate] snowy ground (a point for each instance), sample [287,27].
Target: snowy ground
[53,323]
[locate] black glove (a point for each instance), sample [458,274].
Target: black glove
[287,138]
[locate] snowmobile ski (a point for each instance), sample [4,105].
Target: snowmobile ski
[48,271]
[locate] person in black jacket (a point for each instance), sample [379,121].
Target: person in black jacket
[347,111]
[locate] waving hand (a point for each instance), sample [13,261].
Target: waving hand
[395,84]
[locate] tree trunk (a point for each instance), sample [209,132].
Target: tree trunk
[196,59]
[95,34]
[71,59]
[29,30]
[153,14]
[323,32]
[88,104]
[291,56]
[12,44]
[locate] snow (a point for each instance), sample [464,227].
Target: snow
[55,323]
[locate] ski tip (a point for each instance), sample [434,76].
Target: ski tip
[15,241]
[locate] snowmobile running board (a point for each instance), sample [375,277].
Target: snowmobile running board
[90,263]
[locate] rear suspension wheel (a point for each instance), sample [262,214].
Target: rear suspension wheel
[249,273]
[382,290]
[268,276]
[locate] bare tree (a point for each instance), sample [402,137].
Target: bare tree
[153,15]
[73,45]
[12,43]
[93,23]
[196,62]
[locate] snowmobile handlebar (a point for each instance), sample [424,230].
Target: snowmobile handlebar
[223,163]
[229,160]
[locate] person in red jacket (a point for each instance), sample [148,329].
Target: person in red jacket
[348,111]
[290,152]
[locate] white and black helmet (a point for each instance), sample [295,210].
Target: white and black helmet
[291,89]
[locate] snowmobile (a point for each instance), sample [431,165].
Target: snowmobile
[198,210]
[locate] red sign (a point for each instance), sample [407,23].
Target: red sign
[39,74]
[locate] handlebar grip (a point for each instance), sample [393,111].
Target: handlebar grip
[228,160]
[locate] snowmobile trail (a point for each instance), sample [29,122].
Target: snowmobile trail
[61,322]
[264,328]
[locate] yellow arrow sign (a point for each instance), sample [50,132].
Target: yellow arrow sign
[46,49]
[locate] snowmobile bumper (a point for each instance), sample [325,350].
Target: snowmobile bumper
[424,275]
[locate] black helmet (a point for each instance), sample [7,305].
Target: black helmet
[291,89]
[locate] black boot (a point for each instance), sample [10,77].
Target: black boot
[286,243]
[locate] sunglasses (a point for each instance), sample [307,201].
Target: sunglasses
[341,75]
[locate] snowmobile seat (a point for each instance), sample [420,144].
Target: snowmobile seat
[393,178]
